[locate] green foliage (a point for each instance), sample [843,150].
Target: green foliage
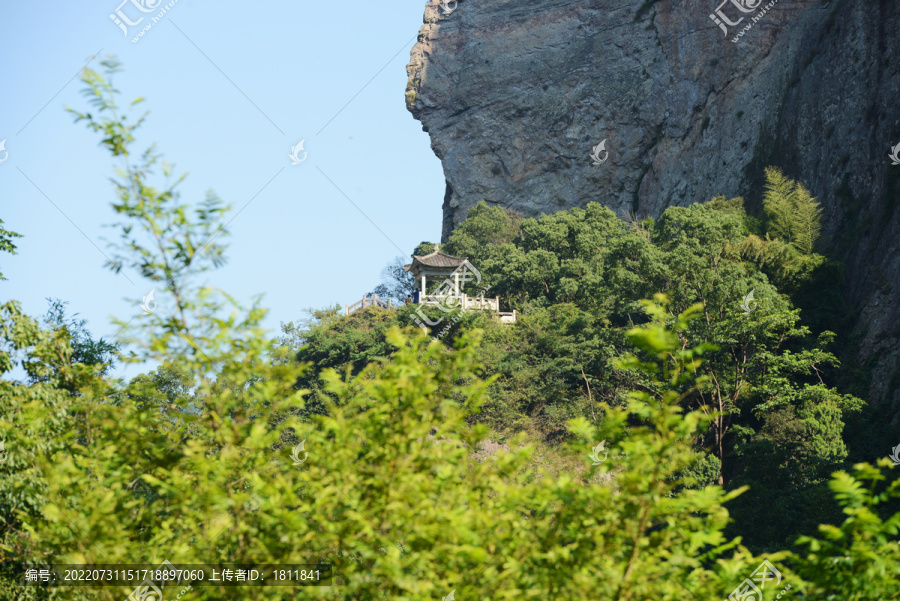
[788,463]
[704,472]
[166,241]
[396,283]
[85,349]
[556,259]
[389,495]
[329,339]
[860,559]
[159,481]
[782,261]
[484,226]
[793,214]
[399,510]
[793,225]
[424,248]
[6,243]
[698,400]
[778,203]
[169,388]
[557,357]
[36,419]
[578,278]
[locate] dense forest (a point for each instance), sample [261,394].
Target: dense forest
[699,353]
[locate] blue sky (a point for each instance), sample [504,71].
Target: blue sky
[231,88]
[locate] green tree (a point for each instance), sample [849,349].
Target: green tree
[169,387]
[484,226]
[389,492]
[792,226]
[85,349]
[345,343]
[38,418]
[778,203]
[793,215]
[398,511]
[860,558]
[552,366]
[396,283]
[6,242]
[577,278]
[425,248]
[167,242]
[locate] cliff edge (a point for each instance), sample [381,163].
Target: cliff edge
[678,102]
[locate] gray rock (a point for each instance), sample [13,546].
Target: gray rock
[516,93]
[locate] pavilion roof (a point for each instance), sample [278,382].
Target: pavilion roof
[435,259]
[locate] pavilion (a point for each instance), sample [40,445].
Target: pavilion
[437,266]
[454,273]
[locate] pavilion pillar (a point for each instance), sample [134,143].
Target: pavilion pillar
[423,284]
[456,283]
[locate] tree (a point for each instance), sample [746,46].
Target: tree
[6,242]
[860,558]
[344,343]
[577,278]
[389,496]
[169,388]
[793,215]
[425,248]
[793,224]
[442,522]
[552,366]
[39,418]
[778,203]
[786,266]
[166,241]
[396,283]
[484,226]
[85,349]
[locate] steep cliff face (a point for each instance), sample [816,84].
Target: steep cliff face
[516,94]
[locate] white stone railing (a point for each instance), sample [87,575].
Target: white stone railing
[368,302]
[451,301]
[462,301]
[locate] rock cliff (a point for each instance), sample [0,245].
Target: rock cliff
[693,99]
